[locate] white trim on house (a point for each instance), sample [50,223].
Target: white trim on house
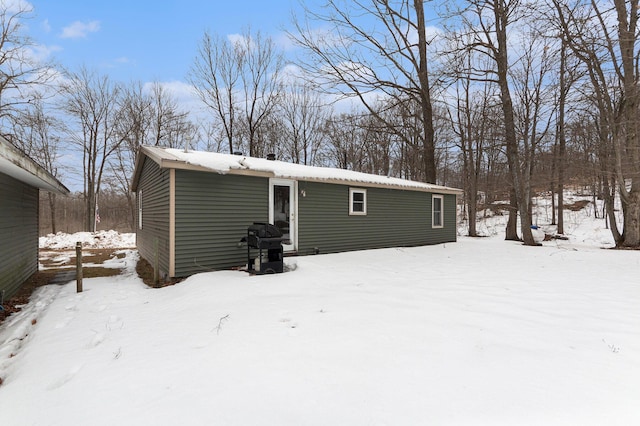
[437,217]
[293,210]
[172,223]
[357,207]
[140,208]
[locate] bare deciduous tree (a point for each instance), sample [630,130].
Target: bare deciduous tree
[262,62]
[20,71]
[237,78]
[469,118]
[215,74]
[37,133]
[604,38]
[92,102]
[568,74]
[148,115]
[169,125]
[344,141]
[374,62]
[303,116]
[486,25]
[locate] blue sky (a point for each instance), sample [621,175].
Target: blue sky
[143,40]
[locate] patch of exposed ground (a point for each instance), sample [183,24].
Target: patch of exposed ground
[145,272]
[499,209]
[53,262]
[577,206]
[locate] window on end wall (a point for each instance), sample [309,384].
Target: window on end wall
[437,206]
[140,208]
[357,201]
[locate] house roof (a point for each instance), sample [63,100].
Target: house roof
[243,165]
[20,166]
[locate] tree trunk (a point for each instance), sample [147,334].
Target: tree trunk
[470,178]
[553,205]
[631,206]
[552,186]
[560,205]
[512,149]
[52,211]
[472,205]
[425,97]
[562,140]
[609,204]
[630,147]
[511,231]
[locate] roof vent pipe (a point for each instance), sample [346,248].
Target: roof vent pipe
[271,157]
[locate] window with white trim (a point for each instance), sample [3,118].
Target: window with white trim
[357,202]
[140,208]
[437,211]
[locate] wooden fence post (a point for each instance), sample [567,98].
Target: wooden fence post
[79,267]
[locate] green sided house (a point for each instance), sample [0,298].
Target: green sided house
[20,181]
[194,207]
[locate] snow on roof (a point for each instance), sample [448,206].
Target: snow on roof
[241,164]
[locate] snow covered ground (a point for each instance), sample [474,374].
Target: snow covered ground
[478,332]
[99,239]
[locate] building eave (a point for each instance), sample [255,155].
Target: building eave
[19,166]
[167,160]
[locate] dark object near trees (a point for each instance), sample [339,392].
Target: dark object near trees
[267,239]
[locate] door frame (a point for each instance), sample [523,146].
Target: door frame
[293,210]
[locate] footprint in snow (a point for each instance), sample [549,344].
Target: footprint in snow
[97,339]
[65,322]
[288,322]
[101,308]
[65,379]
[114,321]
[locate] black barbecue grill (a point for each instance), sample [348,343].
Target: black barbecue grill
[267,240]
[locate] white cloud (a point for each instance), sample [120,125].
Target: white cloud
[292,73]
[41,52]
[46,26]
[16,6]
[285,42]
[183,93]
[239,40]
[80,29]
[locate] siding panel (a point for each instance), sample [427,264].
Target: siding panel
[154,183]
[213,212]
[394,218]
[18,233]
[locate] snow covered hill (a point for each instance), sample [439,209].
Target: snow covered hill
[478,332]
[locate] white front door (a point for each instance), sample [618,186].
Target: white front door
[283,210]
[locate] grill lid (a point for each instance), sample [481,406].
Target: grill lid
[264,230]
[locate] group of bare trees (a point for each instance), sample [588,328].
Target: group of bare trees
[504,98]
[513,82]
[97,125]
[558,67]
